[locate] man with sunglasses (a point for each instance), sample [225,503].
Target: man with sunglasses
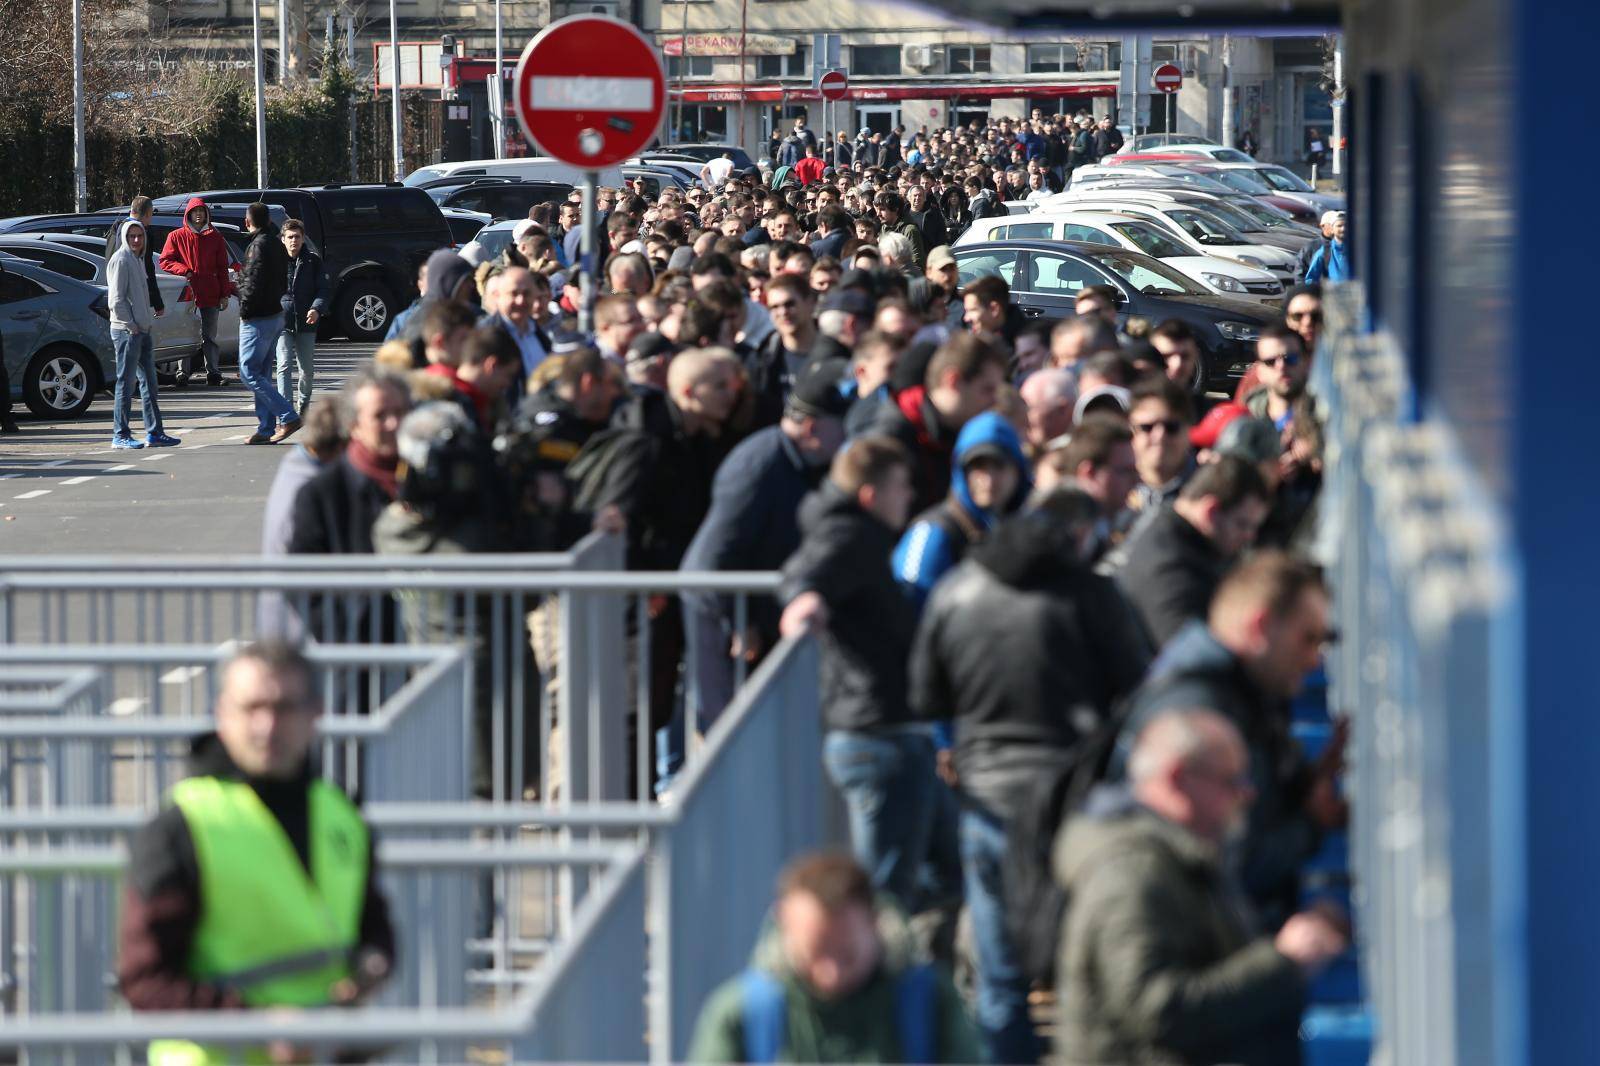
[1302,309]
[1281,368]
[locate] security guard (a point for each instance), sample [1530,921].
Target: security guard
[255,887]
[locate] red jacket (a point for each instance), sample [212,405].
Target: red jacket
[809,170]
[202,258]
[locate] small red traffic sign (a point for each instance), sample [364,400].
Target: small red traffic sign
[590,91]
[1168,78]
[835,85]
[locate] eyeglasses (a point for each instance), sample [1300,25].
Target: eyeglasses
[1171,425]
[1279,360]
[1310,316]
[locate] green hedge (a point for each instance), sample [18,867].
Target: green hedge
[308,141]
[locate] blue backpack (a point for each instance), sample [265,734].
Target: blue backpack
[766,1015]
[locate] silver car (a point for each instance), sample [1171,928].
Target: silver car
[176,333]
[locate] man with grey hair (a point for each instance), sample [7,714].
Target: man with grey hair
[1051,395]
[1027,650]
[1159,962]
[898,254]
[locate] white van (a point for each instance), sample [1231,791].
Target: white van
[533,167]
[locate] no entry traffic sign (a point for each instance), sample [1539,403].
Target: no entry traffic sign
[1168,78]
[590,91]
[835,84]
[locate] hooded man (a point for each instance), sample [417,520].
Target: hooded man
[132,318]
[991,478]
[197,253]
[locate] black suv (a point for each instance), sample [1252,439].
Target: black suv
[1046,275]
[372,239]
[499,198]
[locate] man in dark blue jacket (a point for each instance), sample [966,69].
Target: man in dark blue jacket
[305,301]
[754,524]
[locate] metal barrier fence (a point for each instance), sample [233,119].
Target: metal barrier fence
[1420,573]
[586,1005]
[755,798]
[567,653]
[85,750]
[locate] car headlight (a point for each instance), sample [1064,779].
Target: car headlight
[1223,282]
[1253,261]
[1239,331]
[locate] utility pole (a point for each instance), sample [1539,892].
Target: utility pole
[283,42]
[350,64]
[1227,91]
[500,79]
[683,69]
[1338,111]
[261,98]
[80,149]
[394,78]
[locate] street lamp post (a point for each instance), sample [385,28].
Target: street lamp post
[500,79]
[394,78]
[261,99]
[80,151]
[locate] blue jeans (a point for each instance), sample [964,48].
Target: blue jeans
[1008,1033]
[135,359]
[257,338]
[297,351]
[888,784]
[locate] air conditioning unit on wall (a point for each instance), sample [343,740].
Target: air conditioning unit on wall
[918,56]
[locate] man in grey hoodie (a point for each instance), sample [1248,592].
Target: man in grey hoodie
[132,319]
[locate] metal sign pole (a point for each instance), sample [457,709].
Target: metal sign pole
[587,256]
[261,102]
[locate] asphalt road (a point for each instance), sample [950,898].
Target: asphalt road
[65,490]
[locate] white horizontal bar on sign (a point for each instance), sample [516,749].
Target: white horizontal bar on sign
[591,94]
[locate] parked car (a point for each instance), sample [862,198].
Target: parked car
[1220,275]
[707,152]
[1286,182]
[176,334]
[1290,236]
[1195,227]
[488,242]
[499,197]
[57,335]
[1168,153]
[1149,142]
[656,178]
[372,238]
[1245,180]
[88,232]
[685,167]
[1045,277]
[530,167]
[464,225]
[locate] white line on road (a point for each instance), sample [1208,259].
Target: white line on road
[54,463]
[242,436]
[119,467]
[153,458]
[78,480]
[32,495]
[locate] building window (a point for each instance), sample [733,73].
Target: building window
[1163,53]
[698,67]
[1053,105]
[789,66]
[1052,58]
[965,110]
[702,123]
[968,59]
[874,60]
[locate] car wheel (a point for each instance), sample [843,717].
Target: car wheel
[60,383]
[365,310]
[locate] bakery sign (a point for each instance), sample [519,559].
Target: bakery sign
[727,44]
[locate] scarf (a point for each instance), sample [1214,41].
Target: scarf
[379,470]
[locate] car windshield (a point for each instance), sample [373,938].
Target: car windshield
[417,177]
[1150,240]
[1286,180]
[1198,182]
[1206,228]
[1146,275]
[1227,214]
[1231,155]
[1262,216]
[493,240]
[1243,181]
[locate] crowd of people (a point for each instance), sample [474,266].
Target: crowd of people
[1060,599]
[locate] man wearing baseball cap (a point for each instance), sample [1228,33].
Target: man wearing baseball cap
[1328,263]
[1310,251]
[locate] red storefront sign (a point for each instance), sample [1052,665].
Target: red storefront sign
[773,93]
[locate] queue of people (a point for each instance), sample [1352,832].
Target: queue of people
[1057,595]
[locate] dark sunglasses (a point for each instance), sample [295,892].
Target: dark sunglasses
[1314,316]
[1280,360]
[1171,425]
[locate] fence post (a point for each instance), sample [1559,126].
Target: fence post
[593,703]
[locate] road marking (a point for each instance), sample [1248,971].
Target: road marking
[78,480]
[118,468]
[153,458]
[33,494]
[54,463]
[196,447]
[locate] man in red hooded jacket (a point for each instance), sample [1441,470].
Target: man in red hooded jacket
[197,252]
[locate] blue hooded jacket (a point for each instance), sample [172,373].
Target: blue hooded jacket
[1329,264]
[932,546]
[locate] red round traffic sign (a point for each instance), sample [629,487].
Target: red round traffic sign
[835,85]
[1168,78]
[589,91]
